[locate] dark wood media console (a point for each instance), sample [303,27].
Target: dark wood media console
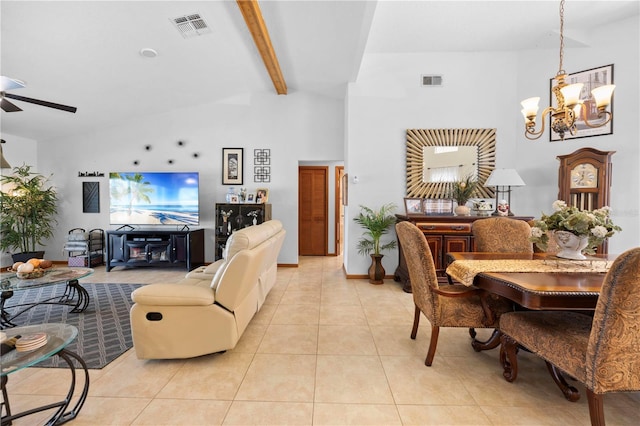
[157,248]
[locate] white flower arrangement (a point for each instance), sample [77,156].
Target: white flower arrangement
[596,224]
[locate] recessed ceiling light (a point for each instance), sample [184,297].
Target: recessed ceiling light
[147,52]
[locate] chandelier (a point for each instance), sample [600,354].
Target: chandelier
[569,106]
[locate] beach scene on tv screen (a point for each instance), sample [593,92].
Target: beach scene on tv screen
[153,198]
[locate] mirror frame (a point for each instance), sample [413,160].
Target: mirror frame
[417,139]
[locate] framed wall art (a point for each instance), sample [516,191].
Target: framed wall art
[232,166]
[592,78]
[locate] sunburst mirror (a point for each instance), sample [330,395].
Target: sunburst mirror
[436,158]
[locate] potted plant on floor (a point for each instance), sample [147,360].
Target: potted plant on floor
[28,210]
[376,224]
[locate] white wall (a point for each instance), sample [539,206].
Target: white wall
[294,127]
[480,90]
[388,99]
[484,90]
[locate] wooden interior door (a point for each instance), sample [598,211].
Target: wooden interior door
[313,210]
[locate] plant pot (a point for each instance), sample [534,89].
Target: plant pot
[462,210]
[376,271]
[23,257]
[570,245]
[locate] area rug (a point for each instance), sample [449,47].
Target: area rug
[104,330]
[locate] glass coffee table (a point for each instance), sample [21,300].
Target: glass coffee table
[74,295]
[58,337]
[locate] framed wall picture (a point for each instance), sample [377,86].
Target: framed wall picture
[232,166]
[413,206]
[262,195]
[592,78]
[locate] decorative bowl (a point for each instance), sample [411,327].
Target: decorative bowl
[36,273]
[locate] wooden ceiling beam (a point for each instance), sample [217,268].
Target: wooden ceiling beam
[253,17]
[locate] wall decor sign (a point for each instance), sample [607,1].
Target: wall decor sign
[91,197]
[262,165]
[592,78]
[232,166]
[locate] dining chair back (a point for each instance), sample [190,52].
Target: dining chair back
[502,235]
[602,352]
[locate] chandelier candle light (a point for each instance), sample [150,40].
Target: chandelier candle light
[503,180]
[569,106]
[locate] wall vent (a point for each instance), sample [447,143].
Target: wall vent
[191,25]
[431,80]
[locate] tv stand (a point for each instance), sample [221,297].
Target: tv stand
[155,248]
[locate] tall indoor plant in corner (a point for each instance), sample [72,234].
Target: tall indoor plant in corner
[376,224]
[28,211]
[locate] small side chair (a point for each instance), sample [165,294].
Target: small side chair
[448,306]
[602,352]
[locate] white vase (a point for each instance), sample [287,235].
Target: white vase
[462,210]
[570,245]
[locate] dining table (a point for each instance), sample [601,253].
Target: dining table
[536,281]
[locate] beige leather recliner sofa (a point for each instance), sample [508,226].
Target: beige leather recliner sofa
[208,310]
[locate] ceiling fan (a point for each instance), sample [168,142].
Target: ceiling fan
[7,83]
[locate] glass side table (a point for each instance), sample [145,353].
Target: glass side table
[58,337]
[75,295]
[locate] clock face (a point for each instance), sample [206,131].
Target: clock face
[584,176]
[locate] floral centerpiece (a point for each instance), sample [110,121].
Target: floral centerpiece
[593,226]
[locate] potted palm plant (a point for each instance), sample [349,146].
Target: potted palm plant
[376,224]
[28,210]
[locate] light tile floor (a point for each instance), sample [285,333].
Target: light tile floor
[323,350]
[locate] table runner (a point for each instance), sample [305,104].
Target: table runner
[465,271]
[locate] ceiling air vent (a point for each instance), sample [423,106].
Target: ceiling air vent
[432,80]
[191,25]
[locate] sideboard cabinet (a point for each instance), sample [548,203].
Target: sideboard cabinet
[231,217]
[155,248]
[444,234]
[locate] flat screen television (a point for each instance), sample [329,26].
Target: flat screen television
[153,198]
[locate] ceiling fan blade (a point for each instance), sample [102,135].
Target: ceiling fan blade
[8,106]
[7,83]
[42,103]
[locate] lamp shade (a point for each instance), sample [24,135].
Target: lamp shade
[504,177]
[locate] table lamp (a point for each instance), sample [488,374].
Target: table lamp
[503,180]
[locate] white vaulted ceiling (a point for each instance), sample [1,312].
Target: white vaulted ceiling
[86,53]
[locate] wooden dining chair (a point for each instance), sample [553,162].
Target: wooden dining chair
[502,235]
[602,352]
[444,306]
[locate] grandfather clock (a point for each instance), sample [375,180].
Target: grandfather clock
[584,180]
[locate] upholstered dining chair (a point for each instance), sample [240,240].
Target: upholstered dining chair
[444,306]
[502,235]
[602,352]
[499,235]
